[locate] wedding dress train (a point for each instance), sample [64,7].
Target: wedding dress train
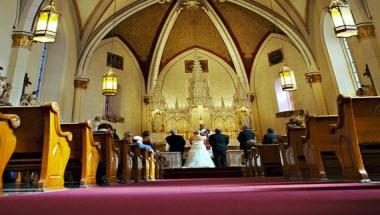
[198,156]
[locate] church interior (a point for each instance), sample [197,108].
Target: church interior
[90,91]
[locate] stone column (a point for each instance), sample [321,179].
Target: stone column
[21,47]
[80,85]
[315,79]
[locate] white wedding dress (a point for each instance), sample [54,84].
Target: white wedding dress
[198,156]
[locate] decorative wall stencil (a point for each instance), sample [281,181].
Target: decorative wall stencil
[115,61]
[275,57]
[190,63]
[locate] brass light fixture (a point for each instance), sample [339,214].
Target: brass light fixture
[47,24]
[287,77]
[109,83]
[110,79]
[288,81]
[344,23]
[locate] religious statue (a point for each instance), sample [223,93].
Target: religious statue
[4,91]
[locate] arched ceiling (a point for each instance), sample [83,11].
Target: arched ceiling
[193,28]
[87,9]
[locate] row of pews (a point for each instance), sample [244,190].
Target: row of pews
[48,155]
[345,146]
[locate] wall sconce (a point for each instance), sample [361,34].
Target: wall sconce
[288,80]
[47,24]
[344,23]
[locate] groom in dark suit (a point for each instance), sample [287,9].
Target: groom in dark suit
[219,144]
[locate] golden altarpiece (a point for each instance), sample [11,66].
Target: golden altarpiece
[200,108]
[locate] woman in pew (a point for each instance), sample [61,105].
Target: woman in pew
[139,141]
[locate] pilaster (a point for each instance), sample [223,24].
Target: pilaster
[80,86]
[315,79]
[21,47]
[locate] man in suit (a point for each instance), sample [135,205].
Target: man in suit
[176,142]
[219,144]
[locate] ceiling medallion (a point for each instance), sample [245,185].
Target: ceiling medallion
[192,3]
[186,3]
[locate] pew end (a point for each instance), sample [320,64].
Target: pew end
[8,122]
[108,164]
[84,156]
[358,130]
[42,147]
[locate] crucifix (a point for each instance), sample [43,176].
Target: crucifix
[25,84]
[368,74]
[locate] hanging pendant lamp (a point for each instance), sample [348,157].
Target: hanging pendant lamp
[288,80]
[47,24]
[109,83]
[344,23]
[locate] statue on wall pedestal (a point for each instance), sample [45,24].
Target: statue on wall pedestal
[158,121]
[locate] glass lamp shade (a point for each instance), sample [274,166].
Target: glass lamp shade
[109,84]
[344,23]
[47,24]
[288,81]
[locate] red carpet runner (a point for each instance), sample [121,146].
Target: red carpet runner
[203,196]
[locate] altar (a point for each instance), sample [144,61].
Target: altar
[200,107]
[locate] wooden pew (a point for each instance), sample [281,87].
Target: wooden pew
[107,168]
[8,122]
[297,166]
[136,162]
[319,141]
[358,134]
[126,161]
[41,144]
[269,159]
[144,154]
[84,156]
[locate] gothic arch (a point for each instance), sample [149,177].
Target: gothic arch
[255,7]
[28,15]
[130,53]
[224,64]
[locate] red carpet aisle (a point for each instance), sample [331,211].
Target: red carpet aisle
[203,196]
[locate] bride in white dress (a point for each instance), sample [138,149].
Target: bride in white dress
[198,156]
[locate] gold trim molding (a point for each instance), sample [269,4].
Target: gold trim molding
[365,31]
[81,83]
[313,77]
[22,40]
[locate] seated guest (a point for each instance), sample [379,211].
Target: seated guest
[128,137]
[270,137]
[147,140]
[108,127]
[139,141]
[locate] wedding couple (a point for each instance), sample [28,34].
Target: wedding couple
[199,157]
